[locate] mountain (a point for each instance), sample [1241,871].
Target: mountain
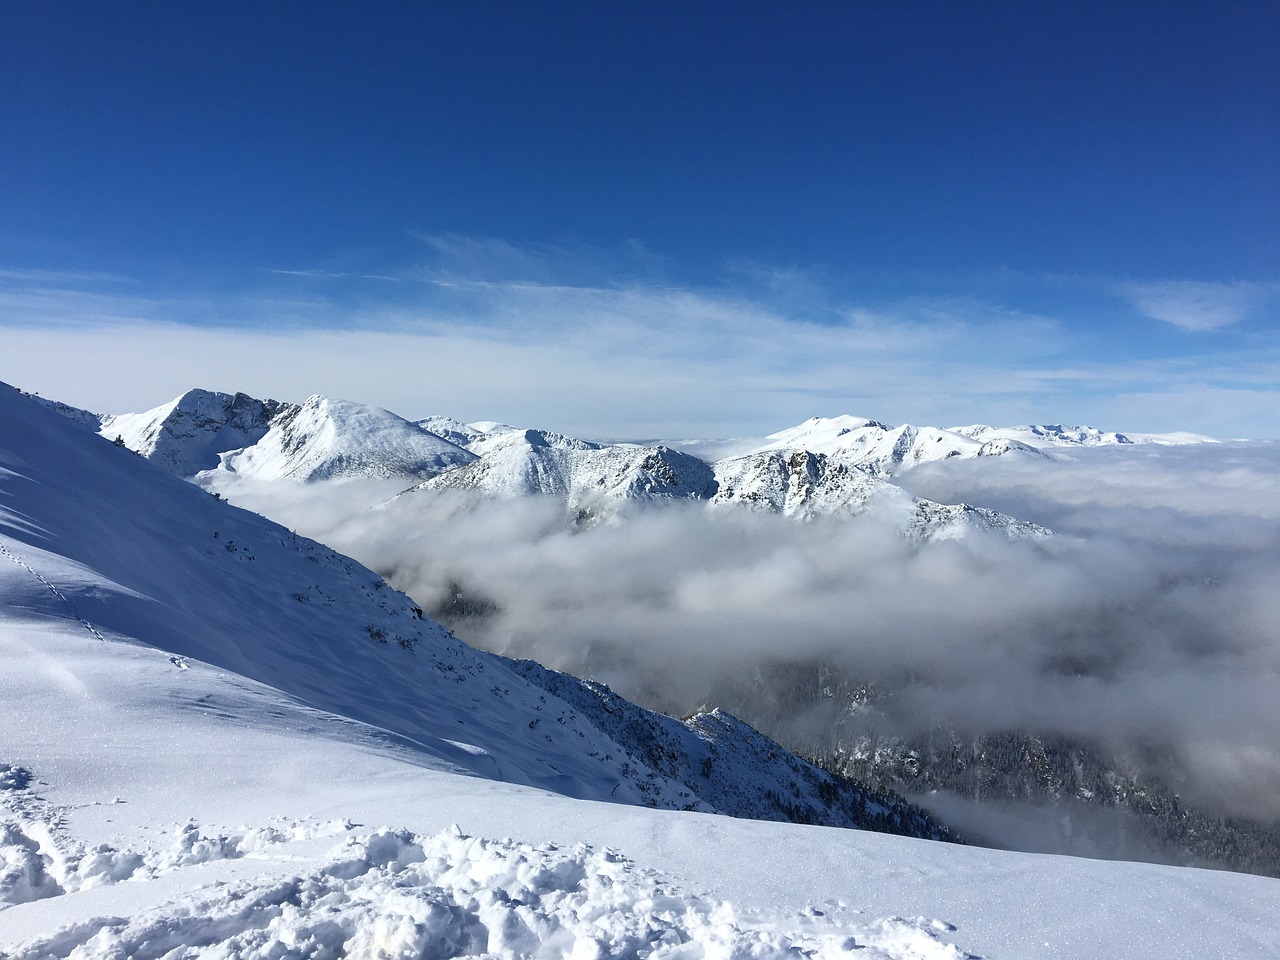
[324,439]
[595,479]
[1046,436]
[742,780]
[810,485]
[589,477]
[187,434]
[1027,789]
[286,612]
[321,439]
[1052,793]
[455,431]
[327,439]
[883,450]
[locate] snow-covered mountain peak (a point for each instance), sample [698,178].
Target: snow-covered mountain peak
[1044,435]
[455,431]
[517,438]
[879,449]
[589,477]
[465,434]
[326,439]
[817,433]
[807,485]
[187,434]
[492,426]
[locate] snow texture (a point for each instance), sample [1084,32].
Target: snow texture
[394,893]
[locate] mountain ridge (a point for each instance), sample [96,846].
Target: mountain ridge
[114,543]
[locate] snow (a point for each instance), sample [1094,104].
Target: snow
[587,476]
[807,485]
[455,431]
[885,450]
[197,763]
[335,439]
[393,893]
[187,434]
[882,450]
[327,439]
[1046,436]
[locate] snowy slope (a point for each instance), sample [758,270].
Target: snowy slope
[455,431]
[145,557]
[186,435]
[587,476]
[194,572]
[158,799]
[85,418]
[737,768]
[328,439]
[808,485]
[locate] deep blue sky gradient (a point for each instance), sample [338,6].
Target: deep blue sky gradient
[1069,138]
[815,155]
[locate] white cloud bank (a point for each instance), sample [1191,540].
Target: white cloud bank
[1151,619]
[625,359]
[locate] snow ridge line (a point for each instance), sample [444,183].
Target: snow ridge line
[52,589]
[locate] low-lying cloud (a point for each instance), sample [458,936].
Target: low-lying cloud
[1152,617]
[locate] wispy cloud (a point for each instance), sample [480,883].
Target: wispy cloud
[59,277]
[487,330]
[317,273]
[1197,307]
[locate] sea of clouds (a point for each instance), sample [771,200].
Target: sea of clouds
[1151,618]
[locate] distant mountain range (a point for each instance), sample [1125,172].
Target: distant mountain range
[839,466]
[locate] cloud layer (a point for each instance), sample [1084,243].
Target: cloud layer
[496,332]
[1150,619]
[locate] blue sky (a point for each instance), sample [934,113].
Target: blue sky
[650,219]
